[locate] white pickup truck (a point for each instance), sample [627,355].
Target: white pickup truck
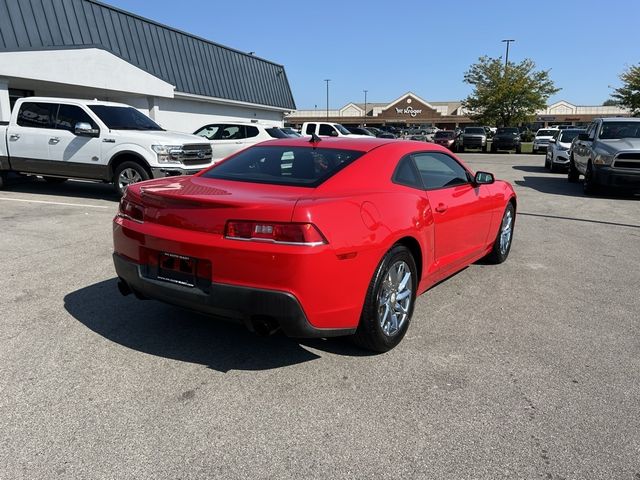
[327,129]
[60,138]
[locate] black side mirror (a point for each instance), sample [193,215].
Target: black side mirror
[484,178]
[83,129]
[583,136]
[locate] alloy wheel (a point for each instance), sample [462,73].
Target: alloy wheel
[506,229]
[394,298]
[128,176]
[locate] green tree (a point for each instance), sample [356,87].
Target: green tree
[610,103]
[506,95]
[628,95]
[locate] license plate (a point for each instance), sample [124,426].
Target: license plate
[177,269]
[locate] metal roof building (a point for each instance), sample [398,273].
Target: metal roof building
[89,49]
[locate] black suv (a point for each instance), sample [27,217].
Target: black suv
[506,138]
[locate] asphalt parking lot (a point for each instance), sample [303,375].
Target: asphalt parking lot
[529,369]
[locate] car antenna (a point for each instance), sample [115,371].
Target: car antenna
[315,138]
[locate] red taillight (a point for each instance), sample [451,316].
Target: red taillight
[289,233]
[131,210]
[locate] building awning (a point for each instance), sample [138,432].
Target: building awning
[83,67]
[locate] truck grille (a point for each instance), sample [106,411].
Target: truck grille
[627,160]
[196,154]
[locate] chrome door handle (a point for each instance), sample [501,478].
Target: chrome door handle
[54,140]
[238,142]
[14,136]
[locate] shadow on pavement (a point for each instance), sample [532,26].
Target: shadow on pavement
[532,168]
[558,185]
[70,188]
[166,331]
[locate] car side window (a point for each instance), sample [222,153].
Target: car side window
[251,131]
[210,132]
[311,129]
[439,170]
[406,174]
[326,129]
[232,132]
[37,115]
[69,115]
[591,130]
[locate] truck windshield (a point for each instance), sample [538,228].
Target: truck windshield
[617,130]
[475,130]
[342,130]
[511,130]
[123,118]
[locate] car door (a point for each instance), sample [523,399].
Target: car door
[76,155]
[583,148]
[462,211]
[28,139]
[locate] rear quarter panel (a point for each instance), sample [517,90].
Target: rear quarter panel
[363,214]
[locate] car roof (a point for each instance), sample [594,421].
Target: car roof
[78,101]
[621,119]
[360,144]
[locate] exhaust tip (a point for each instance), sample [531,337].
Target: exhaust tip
[264,325]
[123,288]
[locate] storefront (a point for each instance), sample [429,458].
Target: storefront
[92,50]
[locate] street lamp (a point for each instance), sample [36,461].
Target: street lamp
[327,80]
[506,58]
[365,106]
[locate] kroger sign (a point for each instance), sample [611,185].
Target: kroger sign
[409,111]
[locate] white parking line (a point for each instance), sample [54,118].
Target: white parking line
[53,203]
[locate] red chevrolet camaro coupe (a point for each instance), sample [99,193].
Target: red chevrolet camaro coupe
[319,237]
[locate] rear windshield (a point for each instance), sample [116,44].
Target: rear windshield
[299,166]
[478,130]
[443,134]
[508,130]
[546,133]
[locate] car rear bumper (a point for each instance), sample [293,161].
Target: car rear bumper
[248,305]
[617,178]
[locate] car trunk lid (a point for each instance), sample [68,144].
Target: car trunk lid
[204,204]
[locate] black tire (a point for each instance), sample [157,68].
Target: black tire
[484,149]
[3,180]
[553,168]
[499,254]
[574,175]
[494,148]
[518,149]
[370,333]
[534,151]
[461,149]
[55,180]
[127,169]
[590,186]
[547,162]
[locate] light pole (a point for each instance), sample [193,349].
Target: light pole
[506,58]
[365,107]
[327,80]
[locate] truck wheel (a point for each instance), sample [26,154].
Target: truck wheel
[484,148]
[128,173]
[55,180]
[590,185]
[389,303]
[494,148]
[461,150]
[518,149]
[3,179]
[574,175]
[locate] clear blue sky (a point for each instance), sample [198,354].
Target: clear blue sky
[391,47]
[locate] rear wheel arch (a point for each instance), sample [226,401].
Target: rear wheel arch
[416,251]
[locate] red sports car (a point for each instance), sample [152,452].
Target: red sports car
[318,237]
